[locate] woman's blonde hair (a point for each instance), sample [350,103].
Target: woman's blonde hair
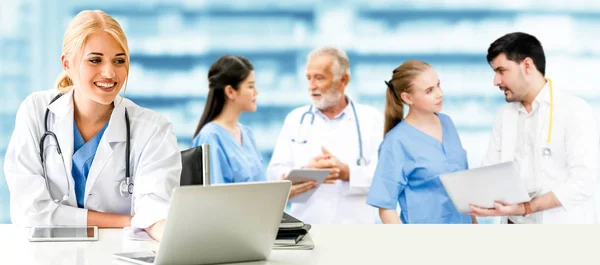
[86,23]
[401,82]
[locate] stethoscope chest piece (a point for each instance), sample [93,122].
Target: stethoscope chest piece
[546,152]
[125,188]
[362,161]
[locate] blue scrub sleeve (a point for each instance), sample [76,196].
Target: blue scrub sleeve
[389,179]
[220,170]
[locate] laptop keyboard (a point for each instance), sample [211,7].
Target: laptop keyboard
[145,259]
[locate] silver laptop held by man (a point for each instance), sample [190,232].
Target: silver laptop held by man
[219,223]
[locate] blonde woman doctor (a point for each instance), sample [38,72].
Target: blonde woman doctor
[83,155]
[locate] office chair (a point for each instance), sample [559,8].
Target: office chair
[195,164]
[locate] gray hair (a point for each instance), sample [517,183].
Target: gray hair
[341,63]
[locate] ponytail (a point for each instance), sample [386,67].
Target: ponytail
[394,109]
[63,82]
[401,82]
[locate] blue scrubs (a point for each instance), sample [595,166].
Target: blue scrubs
[410,163]
[82,160]
[231,162]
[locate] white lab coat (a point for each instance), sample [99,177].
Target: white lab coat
[572,169]
[342,202]
[155,165]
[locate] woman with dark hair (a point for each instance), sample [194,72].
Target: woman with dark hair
[234,156]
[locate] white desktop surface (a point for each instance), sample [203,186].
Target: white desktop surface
[353,244]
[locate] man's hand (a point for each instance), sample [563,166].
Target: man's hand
[339,170]
[320,161]
[324,162]
[500,209]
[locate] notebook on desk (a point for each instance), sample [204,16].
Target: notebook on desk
[305,244]
[288,240]
[291,236]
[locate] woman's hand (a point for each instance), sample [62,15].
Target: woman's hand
[156,230]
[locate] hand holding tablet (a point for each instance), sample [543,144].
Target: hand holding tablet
[300,176]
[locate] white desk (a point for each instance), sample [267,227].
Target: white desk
[355,244]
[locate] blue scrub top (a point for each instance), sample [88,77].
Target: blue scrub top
[231,162]
[410,163]
[82,160]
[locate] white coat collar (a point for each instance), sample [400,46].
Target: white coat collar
[117,130]
[542,97]
[63,105]
[346,112]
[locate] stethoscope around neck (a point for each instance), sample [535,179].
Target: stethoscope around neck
[125,186]
[546,151]
[361,161]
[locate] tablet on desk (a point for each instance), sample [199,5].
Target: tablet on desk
[63,233]
[297,176]
[485,185]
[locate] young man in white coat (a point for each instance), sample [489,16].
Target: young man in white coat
[333,132]
[552,137]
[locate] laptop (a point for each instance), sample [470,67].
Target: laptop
[219,224]
[485,185]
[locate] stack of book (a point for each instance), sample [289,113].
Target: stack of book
[293,234]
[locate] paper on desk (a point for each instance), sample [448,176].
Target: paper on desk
[134,233]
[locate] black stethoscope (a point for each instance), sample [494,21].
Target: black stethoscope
[125,186]
[361,159]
